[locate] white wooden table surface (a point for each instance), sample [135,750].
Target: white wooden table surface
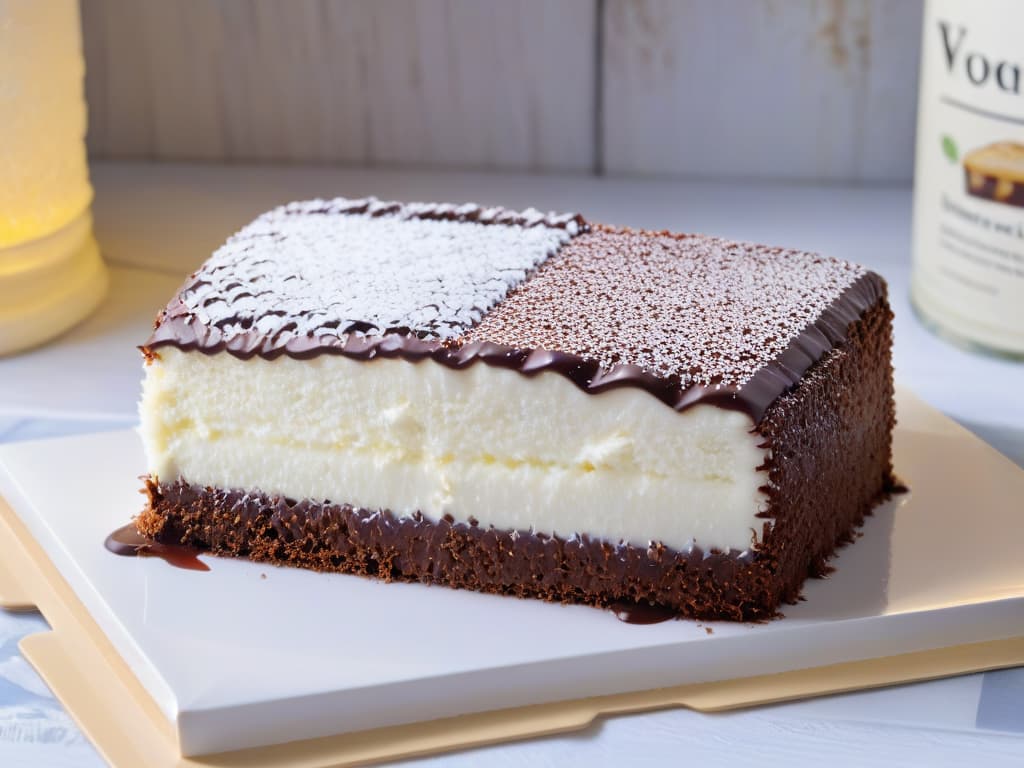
[157,222]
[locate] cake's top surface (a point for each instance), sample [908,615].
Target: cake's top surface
[687,317]
[699,309]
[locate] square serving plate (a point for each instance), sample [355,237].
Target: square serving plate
[247,655]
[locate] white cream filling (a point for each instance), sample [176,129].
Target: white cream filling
[512,451]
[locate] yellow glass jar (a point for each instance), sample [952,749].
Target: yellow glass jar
[51,273]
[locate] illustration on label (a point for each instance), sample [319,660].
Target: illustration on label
[996,172]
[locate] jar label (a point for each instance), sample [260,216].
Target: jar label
[969,181]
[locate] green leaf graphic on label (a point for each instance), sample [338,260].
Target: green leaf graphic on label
[949,149]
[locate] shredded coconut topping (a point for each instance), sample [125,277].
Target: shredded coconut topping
[696,309]
[326,268]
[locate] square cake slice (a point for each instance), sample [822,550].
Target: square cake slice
[520,403]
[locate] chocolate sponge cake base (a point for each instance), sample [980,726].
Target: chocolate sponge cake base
[829,465]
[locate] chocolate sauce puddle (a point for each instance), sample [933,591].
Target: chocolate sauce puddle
[641,613]
[128,542]
[897,486]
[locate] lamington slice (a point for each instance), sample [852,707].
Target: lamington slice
[996,172]
[520,403]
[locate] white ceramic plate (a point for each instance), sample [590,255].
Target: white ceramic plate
[249,654]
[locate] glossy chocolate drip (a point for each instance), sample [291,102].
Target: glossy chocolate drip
[897,487]
[642,613]
[753,398]
[128,542]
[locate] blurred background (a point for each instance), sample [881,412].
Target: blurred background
[818,90]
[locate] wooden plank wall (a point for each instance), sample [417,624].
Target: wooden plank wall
[431,82]
[772,88]
[801,89]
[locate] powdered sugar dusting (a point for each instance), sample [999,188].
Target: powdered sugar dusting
[693,309]
[333,267]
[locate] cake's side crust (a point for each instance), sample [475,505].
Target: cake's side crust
[830,464]
[830,452]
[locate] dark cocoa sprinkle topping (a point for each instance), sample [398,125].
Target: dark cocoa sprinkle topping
[694,309]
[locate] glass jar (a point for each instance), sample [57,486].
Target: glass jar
[968,276]
[51,273]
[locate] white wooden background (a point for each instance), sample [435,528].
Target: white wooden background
[802,89]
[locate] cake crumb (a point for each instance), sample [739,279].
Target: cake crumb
[709,631]
[263,575]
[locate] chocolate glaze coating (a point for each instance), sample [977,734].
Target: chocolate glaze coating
[753,398]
